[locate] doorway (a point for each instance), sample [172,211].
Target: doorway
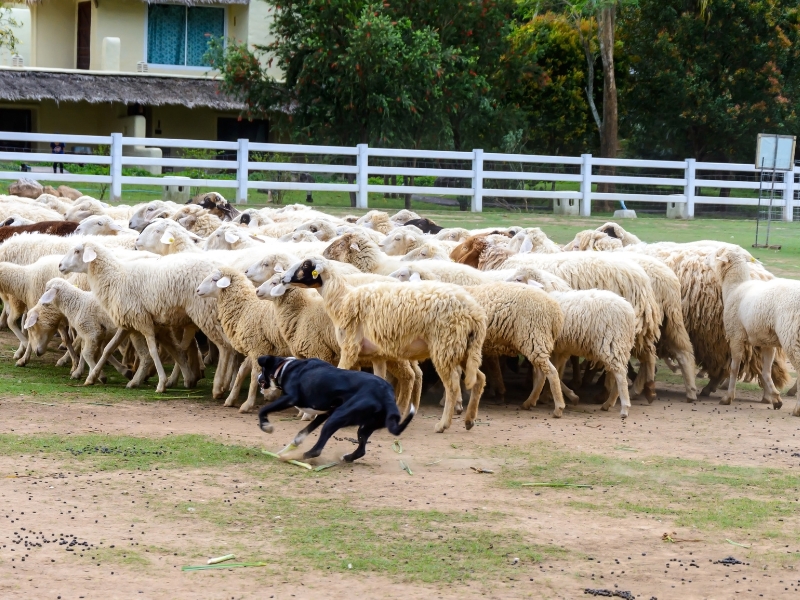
[84,34]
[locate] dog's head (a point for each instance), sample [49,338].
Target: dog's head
[268,365]
[306,273]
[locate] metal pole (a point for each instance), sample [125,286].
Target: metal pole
[115,169]
[772,190]
[362,178]
[477,180]
[760,187]
[586,185]
[242,176]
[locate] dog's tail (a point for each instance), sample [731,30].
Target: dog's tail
[394,425]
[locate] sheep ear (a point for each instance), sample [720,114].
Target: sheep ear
[224,282]
[48,296]
[278,290]
[252,224]
[319,235]
[319,268]
[279,268]
[527,246]
[723,258]
[415,277]
[89,254]
[535,283]
[355,247]
[116,226]
[167,238]
[231,237]
[33,316]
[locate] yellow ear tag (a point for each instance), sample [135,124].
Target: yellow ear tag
[314,274]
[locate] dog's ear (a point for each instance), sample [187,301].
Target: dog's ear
[263,361]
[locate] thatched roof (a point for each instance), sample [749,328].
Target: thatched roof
[18,85]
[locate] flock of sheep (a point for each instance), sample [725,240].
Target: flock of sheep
[204,283]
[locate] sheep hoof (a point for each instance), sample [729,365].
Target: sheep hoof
[777,404]
[267,427]
[89,381]
[128,374]
[459,408]
[103,379]
[244,408]
[218,395]
[469,423]
[706,391]
[605,407]
[131,385]
[440,427]
[229,401]
[21,363]
[528,405]
[726,400]
[650,391]
[75,375]
[623,414]
[557,412]
[796,411]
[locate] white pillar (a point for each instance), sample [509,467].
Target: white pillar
[242,158]
[116,167]
[691,170]
[788,196]
[477,181]
[362,177]
[586,185]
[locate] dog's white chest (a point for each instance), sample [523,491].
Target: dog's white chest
[311,411]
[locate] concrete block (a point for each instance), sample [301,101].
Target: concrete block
[179,194]
[677,210]
[566,206]
[624,214]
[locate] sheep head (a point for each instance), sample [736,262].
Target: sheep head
[306,274]
[77,260]
[212,286]
[273,288]
[347,246]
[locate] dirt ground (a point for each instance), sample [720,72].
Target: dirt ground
[111,512]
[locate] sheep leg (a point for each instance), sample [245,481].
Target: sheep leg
[78,372]
[491,364]
[67,338]
[545,367]
[671,364]
[792,390]
[145,363]
[452,390]
[26,356]
[618,386]
[538,384]
[152,346]
[712,385]
[63,360]
[736,361]
[576,371]
[270,394]
[687,367]
[88,352]
[405,375]
[213,355]
[379,368]
[771,394]
[4,315]
[474,400]
[225,369]
[416,393]
[121,368]
[110,347]
[645,379]
[244,368]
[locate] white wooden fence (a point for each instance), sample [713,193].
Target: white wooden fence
[478,170]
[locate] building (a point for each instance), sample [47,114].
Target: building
[102,66]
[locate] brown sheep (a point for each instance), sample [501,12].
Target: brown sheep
[59,228]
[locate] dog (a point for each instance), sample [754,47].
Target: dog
[336,397]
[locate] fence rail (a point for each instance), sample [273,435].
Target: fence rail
[673,182]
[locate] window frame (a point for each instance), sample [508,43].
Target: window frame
[200,68]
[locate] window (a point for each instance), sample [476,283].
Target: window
[179,35]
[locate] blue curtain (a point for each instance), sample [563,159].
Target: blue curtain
[203,24]
[166,34]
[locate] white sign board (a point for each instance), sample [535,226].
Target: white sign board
[775,152]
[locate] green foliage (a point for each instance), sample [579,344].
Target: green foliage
[549,66]
[704,85]
[416,74]
[7,23]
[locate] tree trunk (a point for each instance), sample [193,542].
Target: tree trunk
[606,23]
[351,178]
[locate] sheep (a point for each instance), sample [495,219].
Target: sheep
[101,225]
[445,272]
[322,229]
[587,270]
[86,206]
[760,313]
[231,237]
[394,321]
[16,220]
[298,237]
[86,316]
[401,217]
[598,325]
[425,225]
[278,261]
[453,234]
[197,220]
[33,212]
[402,240]
[468,250]
[593,240]
[145,213]
[253,219]
[168,237]
[427,252]
[309,331]
[376,220]
[375,236]
[144,295]
[249,324]
[60,205]
[615,231]
[359,250]
[59,228]
[534,240]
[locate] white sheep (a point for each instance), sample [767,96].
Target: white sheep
[394,321]
[761,313]
[103,225]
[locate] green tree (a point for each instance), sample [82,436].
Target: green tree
[707,77]
[7,24]
[547,63]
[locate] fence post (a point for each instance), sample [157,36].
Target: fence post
[242,158]
[788,196]
[362,178]
[116,167]
[477,181]
[691,170]
[586,185]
